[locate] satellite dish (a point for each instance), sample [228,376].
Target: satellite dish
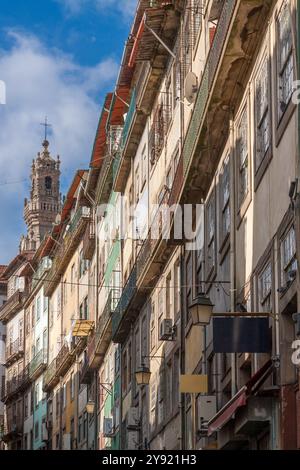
[190,87]
[58,219]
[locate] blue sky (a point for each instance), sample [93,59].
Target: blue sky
[57,58]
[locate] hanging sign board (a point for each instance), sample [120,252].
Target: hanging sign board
[193,384]
[241,335]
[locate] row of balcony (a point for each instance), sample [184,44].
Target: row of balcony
[14,351]
[43,267]
[12,305]
[65,252]
[16,385]
[62,362]
[38,364]
[99,341]
[152,61]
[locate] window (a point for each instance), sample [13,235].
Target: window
[288,257]
[144,165]
[36,395]
[225,200]
[83,264]
[72,386]
[36,430]
[72,277]
[169,392]
[197,20]
[168,101]
[38,308]
[125,372]
[152,327]
[169,292]
[26,406]
[38,345]
[85,425]
[262,114]
[176,374]
[285,60]
[64,401]
[27,331]
[79,428]
[176,76]
[84,309]
[210,235]
[189,285]
[243,158]
[177,287]
[187,56]
[48,185]
[137,344]
[265,288]
[169,178]
[137,184]
[65,292]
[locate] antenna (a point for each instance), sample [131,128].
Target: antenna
[190,87]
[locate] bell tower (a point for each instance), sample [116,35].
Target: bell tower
[41,209]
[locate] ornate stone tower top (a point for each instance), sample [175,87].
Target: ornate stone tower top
[41,209]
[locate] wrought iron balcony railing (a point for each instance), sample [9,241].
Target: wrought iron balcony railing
[89,241]
[38,364]
[67,247]
[43,267]
[12,305]
[126,297]
[14,350]
[50,376]
[207,81]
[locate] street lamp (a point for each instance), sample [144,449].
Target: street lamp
[90,407]
[142,375]
[201,310]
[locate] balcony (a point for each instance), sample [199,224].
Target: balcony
[13,428]
[16,385]
[51,379]
[38,364]
[156,247]
[67,248]
[43,267]
[86,372]
[14,351]
[89,241]
[105,180]
[127,308]
[151,59]
[217,93]
[64,359]
[12,305]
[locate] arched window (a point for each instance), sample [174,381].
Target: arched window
[48,184]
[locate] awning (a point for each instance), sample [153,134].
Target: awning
[226,413]
[240,399]
[83,328]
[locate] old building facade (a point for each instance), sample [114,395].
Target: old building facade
[190,199]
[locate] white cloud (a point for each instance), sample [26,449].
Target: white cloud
[125,7]
[40,82]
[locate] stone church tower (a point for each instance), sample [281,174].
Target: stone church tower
[41,210]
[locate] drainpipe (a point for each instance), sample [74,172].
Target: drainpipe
[96,315]
[232,252]
[297,203]
[182,355]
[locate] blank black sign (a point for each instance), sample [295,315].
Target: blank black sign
[241,335]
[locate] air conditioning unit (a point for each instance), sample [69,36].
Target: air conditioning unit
[207,408]
[66,442]
[108,428]
[166,332]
